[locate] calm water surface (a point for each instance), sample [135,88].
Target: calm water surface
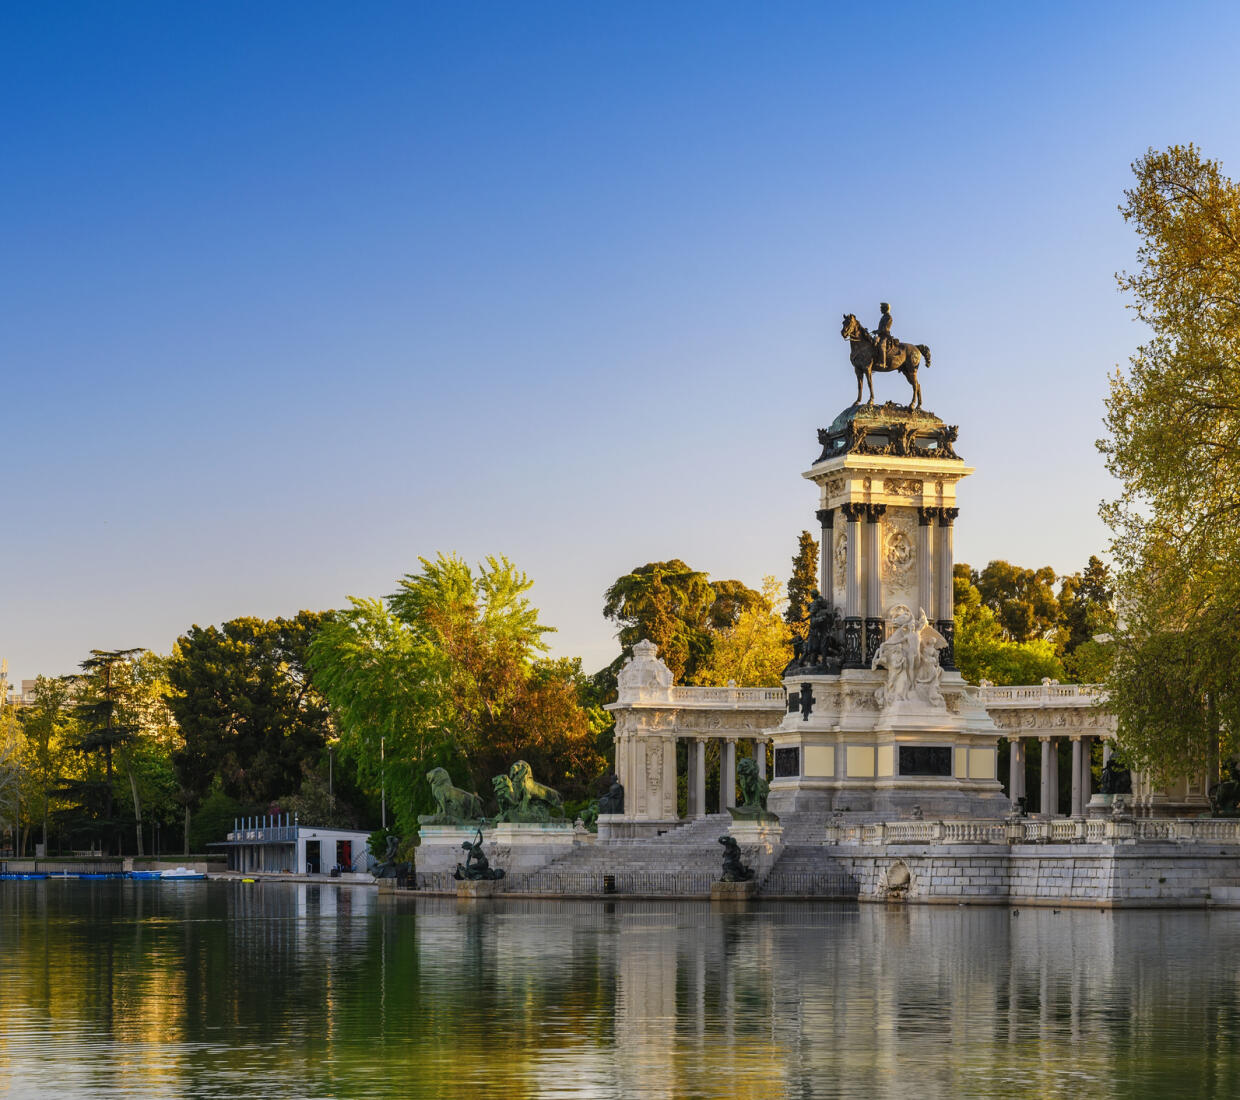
[218,989]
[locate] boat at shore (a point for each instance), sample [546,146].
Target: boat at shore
[182,873]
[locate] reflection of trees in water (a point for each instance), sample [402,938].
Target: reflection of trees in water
[307,989]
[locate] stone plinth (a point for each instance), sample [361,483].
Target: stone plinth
[527,846]
[851,753]
[439,846]
[733,891]
[623,827]
[480,888]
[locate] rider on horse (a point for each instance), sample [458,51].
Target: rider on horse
[883,338]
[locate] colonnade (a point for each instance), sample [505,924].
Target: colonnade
[696,785]
[863,610]
[1081,789]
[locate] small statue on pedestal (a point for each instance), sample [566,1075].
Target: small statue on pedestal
[476,865]
[733,869]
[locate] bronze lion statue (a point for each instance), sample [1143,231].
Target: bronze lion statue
[452,801]
[531,792]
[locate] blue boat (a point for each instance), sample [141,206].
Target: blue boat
[22,874]
[145,874]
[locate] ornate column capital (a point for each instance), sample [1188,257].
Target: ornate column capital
[826,517]
[873,511]
[947,516]
[853,510]
[1045,737]
[927,516]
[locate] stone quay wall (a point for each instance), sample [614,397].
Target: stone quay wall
[1141,875]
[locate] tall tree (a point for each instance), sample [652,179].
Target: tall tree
[447,672]
[1173,442]
[680,609]
[249,712]
[103,729]
[754,650]
[802,584]
[46,723]
[983,650]
[1023,600]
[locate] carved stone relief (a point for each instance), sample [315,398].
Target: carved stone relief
[903,486]
[841,560]
[654,766]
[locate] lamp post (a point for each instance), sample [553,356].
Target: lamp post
[383,780]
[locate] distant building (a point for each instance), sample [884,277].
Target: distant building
[273,845]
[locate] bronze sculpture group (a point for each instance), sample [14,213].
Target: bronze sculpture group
[882,352]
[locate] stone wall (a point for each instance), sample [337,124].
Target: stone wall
[1143,875]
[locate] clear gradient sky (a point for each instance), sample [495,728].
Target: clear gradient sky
[294,293]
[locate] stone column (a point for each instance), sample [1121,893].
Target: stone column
[874,581]
[826,548]
[1050,777]
[944,604]
[1078,800]
[1016,770]
[699,774]
[854,656]
[1108,750]
[727,774]
[759,756]
[691,810]
[925,561]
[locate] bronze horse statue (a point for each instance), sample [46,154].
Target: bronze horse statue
[863,355]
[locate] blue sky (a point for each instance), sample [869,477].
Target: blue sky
[295,293]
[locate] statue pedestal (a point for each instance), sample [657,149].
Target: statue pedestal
[481,888]
[624,827]
[440,846]
[766,835]
[733,891]
[1099,805]
[527,846]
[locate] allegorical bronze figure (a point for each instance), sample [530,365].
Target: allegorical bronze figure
[882,352]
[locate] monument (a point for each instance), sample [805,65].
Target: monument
[878,718]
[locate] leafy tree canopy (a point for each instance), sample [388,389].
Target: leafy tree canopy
[247,707]
[755,649]
[448,672]
[1173,442]
[679,609]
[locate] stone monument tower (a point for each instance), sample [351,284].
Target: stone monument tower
[878,719]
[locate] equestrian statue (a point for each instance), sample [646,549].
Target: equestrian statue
[882,352]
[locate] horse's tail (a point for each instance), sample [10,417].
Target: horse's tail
[925,351]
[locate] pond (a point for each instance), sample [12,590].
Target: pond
[224,989]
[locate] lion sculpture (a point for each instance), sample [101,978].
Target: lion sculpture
[455,805]
[506,796]
[754,788]
[534,795]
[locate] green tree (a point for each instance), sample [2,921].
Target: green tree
[446,672]
[46,724]
[754,650]
[802,584]
[983,651]
[103,729]
[680,609]
[248,710]
[1023,600]
[1173,443]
